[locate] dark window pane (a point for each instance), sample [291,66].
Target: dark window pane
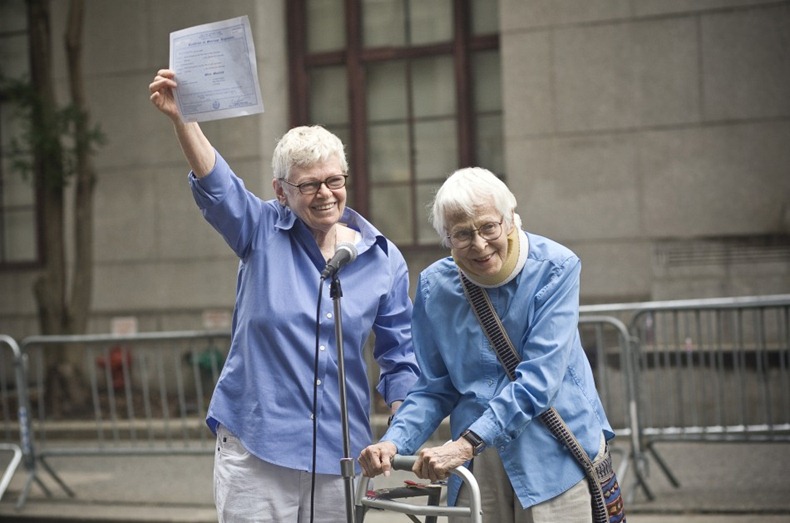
[488,111]
[391,212]
[426,235]
[430,22]
[326,29]
[433,86]
[485,16]
[488,137]
[328,95]
[19,235]
[383,23]
[18,210]
[436,149]
[487,79]
[388,152]
[386,90]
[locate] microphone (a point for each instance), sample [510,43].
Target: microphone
[345,253]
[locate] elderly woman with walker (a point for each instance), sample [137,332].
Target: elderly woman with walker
[496,338]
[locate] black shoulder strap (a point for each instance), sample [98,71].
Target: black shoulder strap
[492,326]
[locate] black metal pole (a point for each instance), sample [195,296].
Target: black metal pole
[346,462]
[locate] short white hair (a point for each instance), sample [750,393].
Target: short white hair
[464,192]
[305,147]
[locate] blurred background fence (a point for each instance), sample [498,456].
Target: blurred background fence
[701,370]
[691,370]
[138,394]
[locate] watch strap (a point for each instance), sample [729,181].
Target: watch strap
[478,445]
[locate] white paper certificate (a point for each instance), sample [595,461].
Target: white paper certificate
[216,71]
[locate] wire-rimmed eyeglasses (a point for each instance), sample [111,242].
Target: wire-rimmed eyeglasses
[462,238]
[333,183]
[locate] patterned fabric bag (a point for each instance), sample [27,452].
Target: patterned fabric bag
[615,510]
[607,501]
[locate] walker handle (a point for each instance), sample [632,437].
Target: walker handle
[403,462]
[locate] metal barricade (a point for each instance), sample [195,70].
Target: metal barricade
[715,371]
[10,359]
[709,370]
[142,394]
[610,349]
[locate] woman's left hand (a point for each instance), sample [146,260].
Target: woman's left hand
[436,463]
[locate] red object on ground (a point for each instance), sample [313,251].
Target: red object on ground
[119,356]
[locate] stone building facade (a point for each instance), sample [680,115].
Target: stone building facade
[650,136]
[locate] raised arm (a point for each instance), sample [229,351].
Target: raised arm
[197,149]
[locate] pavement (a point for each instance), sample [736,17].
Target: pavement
[719,483]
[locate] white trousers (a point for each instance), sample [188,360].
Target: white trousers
[250,490]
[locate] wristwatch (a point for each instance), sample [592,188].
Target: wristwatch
[478,445]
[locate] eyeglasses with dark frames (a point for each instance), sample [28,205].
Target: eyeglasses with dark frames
[462,238]
[333,183]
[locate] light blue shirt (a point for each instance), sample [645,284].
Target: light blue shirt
[462,377]
[265,390]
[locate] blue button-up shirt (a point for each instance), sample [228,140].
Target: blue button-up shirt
[462,377]
[265,390]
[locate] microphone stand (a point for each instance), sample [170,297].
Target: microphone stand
[346,462]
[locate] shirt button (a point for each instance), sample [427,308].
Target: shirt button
[322,347]
[318,382]
[329,315]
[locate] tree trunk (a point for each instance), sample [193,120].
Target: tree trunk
[82,278]
[47,171]
[65,391]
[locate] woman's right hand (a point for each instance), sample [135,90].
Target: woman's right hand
[162,97]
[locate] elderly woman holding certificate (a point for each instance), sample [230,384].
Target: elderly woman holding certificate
[496,337]
[275,409]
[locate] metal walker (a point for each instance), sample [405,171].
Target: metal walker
[387,499]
